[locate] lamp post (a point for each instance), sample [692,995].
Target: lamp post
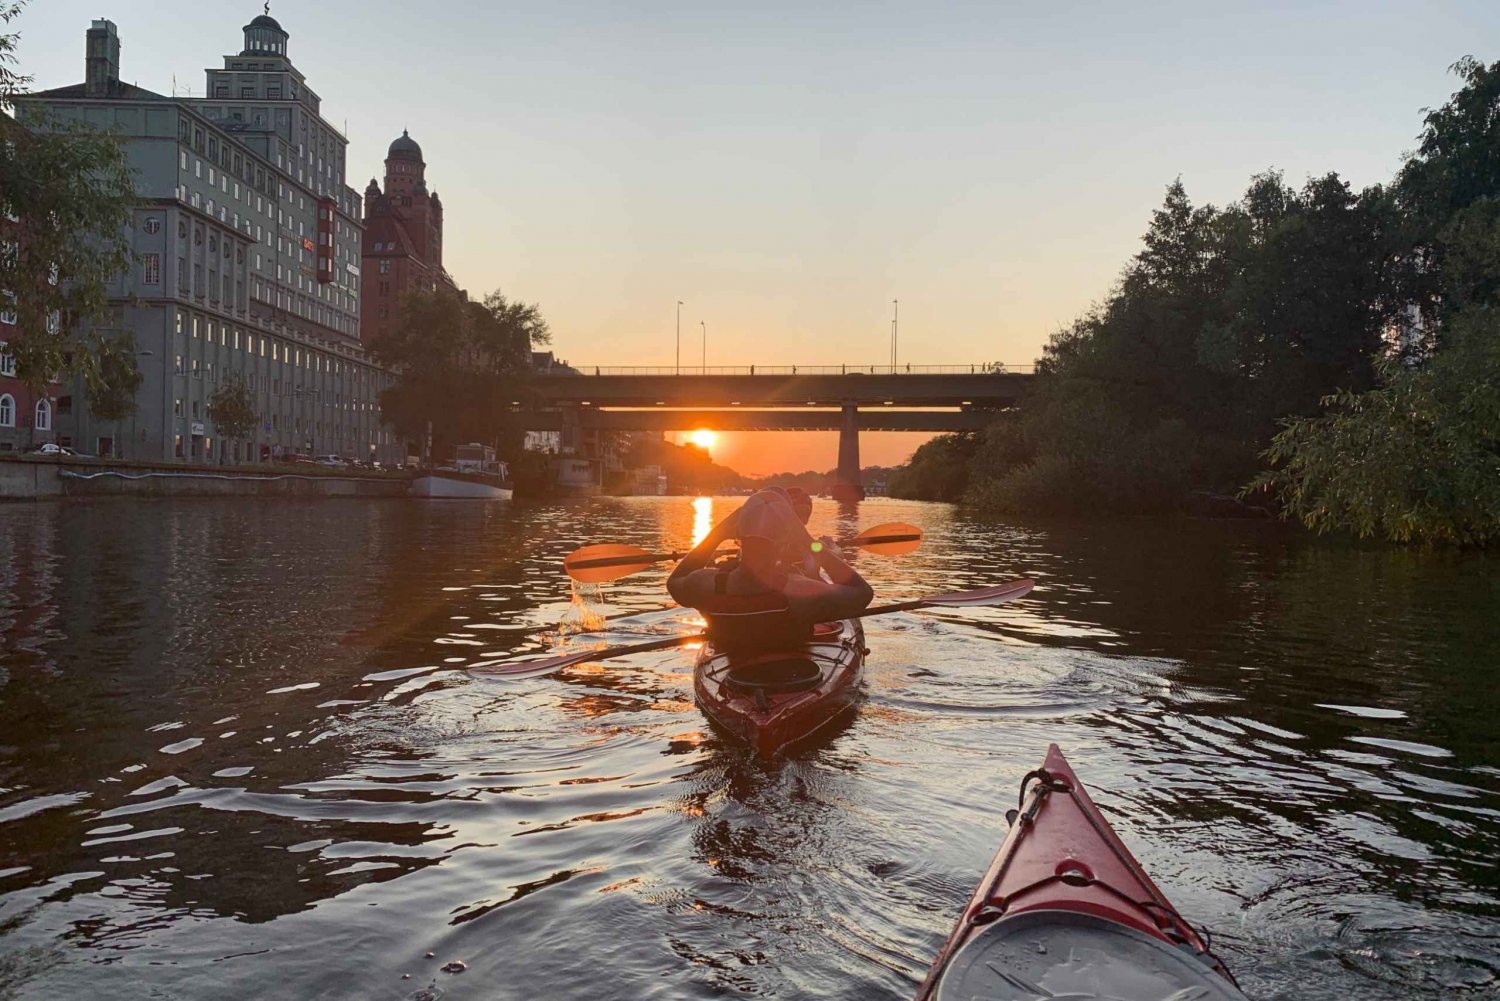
[679,336]
[704,325]
[895,315]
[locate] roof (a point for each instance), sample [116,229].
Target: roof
[404,148]
[117,89]
[266,21]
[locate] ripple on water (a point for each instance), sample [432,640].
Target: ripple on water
[1206,687]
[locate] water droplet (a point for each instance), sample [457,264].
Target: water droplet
[457,966]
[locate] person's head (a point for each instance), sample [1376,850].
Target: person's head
[766,524]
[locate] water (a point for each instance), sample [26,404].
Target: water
[241,756]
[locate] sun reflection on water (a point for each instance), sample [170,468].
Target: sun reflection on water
[703,518]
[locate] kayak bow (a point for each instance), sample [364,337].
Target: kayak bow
[1066,911]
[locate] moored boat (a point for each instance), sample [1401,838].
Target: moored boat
[474,474]
[1066,911]
[774,699]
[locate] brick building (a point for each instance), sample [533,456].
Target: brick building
[403,239]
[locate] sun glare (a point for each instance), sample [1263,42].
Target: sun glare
[703,438]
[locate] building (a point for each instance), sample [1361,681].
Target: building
[26,418]
[403,241]
[248,244]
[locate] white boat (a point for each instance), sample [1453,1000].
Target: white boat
[474,474]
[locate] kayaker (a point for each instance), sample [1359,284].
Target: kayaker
[755,605]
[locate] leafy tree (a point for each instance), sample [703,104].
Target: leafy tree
[232,407]
[1225,321]
[1418,458]
[460,366]
[111,376]
[70,192]
[938,470]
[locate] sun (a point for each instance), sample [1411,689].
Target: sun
[703,438]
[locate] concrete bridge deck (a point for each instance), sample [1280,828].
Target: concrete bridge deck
[971,386]
[843,398]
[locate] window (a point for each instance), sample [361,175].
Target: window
[195,410]
[43,415]
[197,369]
[54,321]
[7,411]
[177,445]
[64,405]
[176,408]
[177,363]
[7,362]
[151,269]
[385,267]
[385,288]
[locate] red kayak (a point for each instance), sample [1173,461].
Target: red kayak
[771,700]
[1066,911]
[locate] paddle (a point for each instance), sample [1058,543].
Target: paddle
[611,561]
[996,595]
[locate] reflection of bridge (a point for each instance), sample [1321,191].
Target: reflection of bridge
[840,398]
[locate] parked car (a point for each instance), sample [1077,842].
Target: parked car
[332,461]
[50,448]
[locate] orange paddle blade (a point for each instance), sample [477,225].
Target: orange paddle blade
[894,538]
[607,561]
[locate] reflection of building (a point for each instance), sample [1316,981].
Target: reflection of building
[403,240]
[247,246]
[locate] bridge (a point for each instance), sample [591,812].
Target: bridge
[843,398]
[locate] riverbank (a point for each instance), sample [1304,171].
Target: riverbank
[29,478]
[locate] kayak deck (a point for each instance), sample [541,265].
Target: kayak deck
[774,699]
[1065,910]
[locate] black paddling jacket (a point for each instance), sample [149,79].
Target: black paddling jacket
[752,623]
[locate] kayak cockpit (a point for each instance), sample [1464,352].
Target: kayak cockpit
[1065,954]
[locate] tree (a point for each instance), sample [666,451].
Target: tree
[232,408]
[1417,459]
[461,366]
[69,192]
[938,470]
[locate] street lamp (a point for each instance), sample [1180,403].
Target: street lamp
[895,315]
[704,325]
[679,336]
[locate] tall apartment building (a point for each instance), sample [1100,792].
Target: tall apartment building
[403,246]
[248,246]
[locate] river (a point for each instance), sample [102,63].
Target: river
[241,755]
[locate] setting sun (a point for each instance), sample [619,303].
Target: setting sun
[703,438]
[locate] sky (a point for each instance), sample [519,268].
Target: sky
[787,170]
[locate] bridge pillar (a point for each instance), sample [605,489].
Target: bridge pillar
[847,486]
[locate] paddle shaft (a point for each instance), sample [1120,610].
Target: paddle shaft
[630,561]
[537,668]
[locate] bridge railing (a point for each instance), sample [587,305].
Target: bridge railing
[983,368]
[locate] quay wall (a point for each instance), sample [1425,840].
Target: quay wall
[26,478]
